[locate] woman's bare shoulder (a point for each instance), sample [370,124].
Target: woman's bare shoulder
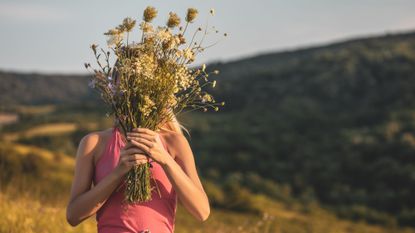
[176,143]
[172,136]
[92,142]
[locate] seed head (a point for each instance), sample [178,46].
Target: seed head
[127,24]
[113,32]
[149,14]
[173,21]
[191,14]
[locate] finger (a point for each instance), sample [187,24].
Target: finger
[141,146]
[124,159]
[146,142]
[138,157]
[146,136]
[135,162]
[127,145]
[144,130]
[140,161]
[134,150]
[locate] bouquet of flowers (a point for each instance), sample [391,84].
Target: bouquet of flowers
[151,80]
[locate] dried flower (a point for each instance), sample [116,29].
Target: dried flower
[114,40]
[94,48]
[146,27]
[127,25]
[191,15]
[173,21]
[147,106]
[182,39]
[170,43]
[207,98]
[113,32]
[149,14]
[188,54]
[212,11]
[115,36]
[163,33]
[150,80]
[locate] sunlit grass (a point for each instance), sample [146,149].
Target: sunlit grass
[26,214]
[37,204]
[35,110]
[42,130]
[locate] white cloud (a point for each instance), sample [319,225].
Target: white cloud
[31,12]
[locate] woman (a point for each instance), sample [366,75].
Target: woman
[104,157]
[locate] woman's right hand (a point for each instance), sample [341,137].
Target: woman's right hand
[130,155]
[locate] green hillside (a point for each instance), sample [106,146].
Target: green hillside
[336,123]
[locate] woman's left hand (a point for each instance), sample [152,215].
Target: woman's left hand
[149,141]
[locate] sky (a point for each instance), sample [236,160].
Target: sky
[50,36]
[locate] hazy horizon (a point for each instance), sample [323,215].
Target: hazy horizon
[60,32]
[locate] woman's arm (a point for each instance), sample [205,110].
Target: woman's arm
[84,200]
[183,176]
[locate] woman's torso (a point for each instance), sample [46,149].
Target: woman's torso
[156,215]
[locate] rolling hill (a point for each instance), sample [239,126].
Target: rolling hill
[333,124]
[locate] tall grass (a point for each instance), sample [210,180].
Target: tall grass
[35,185]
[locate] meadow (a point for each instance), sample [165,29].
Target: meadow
[36,180]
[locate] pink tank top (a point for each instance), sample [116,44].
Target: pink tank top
[155,216]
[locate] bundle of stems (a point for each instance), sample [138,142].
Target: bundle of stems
[151,81]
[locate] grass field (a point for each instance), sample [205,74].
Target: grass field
[35,200]
[42,130]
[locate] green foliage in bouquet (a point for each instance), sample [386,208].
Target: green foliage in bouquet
[151,81]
